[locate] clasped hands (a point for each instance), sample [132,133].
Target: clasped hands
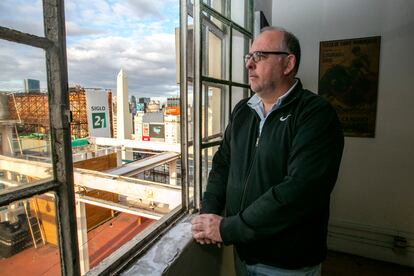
[206,229]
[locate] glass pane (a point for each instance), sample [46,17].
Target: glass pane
[190,126]
[29,239]
[129,104]
[215,47]
[114,206]
[24,116]
[239,11]
[109,217]
[22,15]
[169,174]
[207,157]
[237,94]
[214,99]
[218,5]
[109,92]
[240,46]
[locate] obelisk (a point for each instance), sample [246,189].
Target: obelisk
[123,116]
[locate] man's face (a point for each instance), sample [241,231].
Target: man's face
[266,74]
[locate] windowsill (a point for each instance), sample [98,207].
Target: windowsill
[135,248]
[164,252]
[176,253]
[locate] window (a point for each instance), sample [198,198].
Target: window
[46,191]
[222,38]
[51,188]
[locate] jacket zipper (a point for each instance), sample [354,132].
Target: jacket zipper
[254,155]
[249,171]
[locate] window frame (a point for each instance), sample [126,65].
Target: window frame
[62,182]
[201,8]
[54,45]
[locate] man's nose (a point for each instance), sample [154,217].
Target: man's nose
[250,63]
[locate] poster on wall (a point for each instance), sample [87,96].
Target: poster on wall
[348,79]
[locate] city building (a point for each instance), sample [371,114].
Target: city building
[173,106]
[153,106]
[143,101]
[31,85]
[172,128]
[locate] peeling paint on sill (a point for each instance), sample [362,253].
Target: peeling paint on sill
[164,252]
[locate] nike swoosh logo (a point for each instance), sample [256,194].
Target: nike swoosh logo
[284,118]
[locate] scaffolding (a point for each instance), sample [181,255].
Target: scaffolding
[79,120]
[31,110]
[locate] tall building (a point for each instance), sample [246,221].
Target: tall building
[124,117]
[31,85]
[133,105]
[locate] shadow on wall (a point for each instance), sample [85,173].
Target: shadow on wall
[198,260]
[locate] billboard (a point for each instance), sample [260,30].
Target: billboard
[98,114]
[172,110]
[156,131]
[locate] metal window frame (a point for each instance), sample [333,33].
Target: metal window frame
[54,45]
[199,18]
[129,252]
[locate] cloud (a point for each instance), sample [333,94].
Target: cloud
[148,61]
[138,8]
[19,62]
[73,29]
[104,36]
[24,16]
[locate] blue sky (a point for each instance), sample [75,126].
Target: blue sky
[103,36]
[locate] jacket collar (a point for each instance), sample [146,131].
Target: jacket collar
[293,94]
[254,101]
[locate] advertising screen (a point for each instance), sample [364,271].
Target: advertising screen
[156,131]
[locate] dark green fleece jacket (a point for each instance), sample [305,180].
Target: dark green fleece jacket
[275,189]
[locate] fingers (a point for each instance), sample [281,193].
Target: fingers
[196,227]
[199,235]
[205,228]
[208,241]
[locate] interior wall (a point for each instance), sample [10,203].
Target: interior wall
[375,188]
[264,6]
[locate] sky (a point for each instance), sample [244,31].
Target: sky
[103,36]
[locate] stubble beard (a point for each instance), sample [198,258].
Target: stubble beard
[264,89]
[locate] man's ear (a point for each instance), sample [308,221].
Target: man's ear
[289,64]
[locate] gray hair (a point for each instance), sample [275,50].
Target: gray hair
[290,42]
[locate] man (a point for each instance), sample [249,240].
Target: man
[275,168]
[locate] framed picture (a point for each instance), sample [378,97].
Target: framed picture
[348,79]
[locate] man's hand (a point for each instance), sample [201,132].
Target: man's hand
[206,228]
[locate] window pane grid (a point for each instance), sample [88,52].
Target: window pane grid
[233,34]
[225,19]
[54,44]
[27,191]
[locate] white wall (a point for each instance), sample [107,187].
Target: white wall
[375,190]
[266,7]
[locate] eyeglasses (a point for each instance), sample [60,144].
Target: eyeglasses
[258,55]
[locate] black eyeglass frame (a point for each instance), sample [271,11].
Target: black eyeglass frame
[258,55]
